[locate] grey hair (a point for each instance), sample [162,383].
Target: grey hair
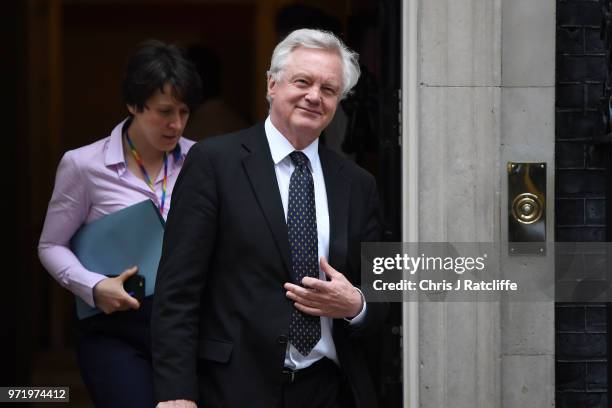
[319,39]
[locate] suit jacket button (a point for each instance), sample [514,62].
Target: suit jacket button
[282,339]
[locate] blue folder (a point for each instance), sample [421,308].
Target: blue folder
[129,237]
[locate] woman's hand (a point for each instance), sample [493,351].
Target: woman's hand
[110,296]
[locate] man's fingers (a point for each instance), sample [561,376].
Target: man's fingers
[177,404]
[304,301]
[297,291]
[296,288]
[308,283]
[309,292]
[308,310]
[314,283]
[327,268]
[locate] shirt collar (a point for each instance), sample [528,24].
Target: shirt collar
[181,149]
[280,147]
[114,153]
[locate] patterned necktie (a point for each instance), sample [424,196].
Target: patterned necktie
[304,330]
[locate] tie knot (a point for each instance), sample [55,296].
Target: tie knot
[299,158]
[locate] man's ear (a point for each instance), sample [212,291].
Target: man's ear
[132,109]
[271,86]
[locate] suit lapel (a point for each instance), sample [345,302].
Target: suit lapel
[259,167]
[337,189]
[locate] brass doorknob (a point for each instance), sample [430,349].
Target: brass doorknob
[527,208]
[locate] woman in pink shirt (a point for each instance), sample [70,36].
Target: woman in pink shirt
[139,160]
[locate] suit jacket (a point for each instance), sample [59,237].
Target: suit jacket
[221,317]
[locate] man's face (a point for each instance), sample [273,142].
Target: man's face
[305,97]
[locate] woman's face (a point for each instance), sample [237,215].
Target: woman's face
[161,122]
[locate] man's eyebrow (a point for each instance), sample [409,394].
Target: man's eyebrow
[300,73]
[331,83]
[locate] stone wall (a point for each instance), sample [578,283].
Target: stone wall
[486,96]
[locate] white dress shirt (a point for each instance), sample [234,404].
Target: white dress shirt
[280,148]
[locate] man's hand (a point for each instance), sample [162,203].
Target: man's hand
[109,295]
[336,298]
[177,404]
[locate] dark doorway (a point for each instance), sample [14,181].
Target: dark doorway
[581,196]
[68,96]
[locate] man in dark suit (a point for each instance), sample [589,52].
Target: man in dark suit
[248,310]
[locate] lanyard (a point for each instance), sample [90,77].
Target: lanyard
[146,175]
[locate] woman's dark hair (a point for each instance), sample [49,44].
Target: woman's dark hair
[155,64]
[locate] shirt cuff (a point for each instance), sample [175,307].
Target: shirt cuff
[83,288]
[361,316]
